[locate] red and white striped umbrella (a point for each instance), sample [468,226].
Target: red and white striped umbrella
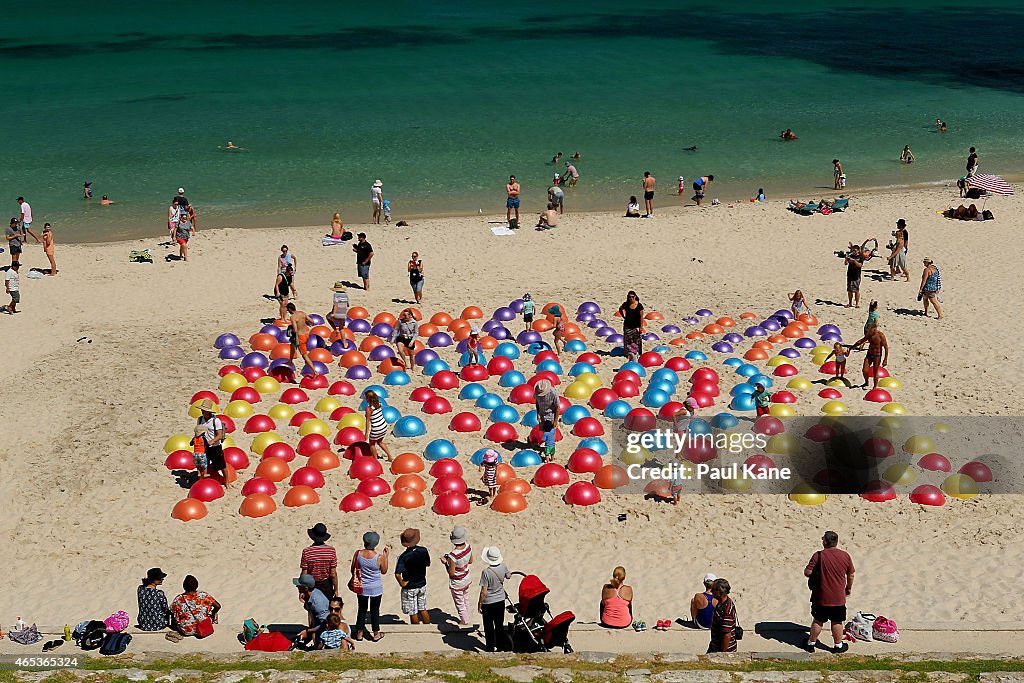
[990,183]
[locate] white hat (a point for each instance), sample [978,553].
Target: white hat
[377,183]
[181,190]
[492,556]
[708,578]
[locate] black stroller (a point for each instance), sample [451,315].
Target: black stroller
[533,628]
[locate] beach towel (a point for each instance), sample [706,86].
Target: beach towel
[140,256]
[269,642]
[26,636]
[502,231]
[329,241]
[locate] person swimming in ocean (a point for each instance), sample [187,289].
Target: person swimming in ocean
[941,125]
[555,159]
[788,135]
[690,149]
[231,146]
[577,156]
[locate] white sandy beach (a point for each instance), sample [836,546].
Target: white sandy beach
[89,499]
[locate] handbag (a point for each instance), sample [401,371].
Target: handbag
[204,628]
[885,630]
[737,630]
[355,584]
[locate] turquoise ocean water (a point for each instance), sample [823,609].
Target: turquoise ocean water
[443,100]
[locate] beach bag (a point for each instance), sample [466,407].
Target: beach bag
[885,630]
[91,637]
[814,580]
[117,622]
[250,629]
[26,636]
[861,627]
[115,643]
[204,628]
[269,642]
[355,584]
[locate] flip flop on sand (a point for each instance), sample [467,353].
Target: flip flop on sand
[174,637]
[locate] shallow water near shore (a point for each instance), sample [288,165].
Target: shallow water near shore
[443,101]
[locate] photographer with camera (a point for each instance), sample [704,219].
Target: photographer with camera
[854,260]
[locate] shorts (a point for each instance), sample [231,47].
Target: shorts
[853,286]
[26,226]
[15,249]
[512,203]
[649,195]
[414,600]
[215,457]
[930,294]
[820,613]
[558,199]
[363,271]
[200,460]
[762,410]
[172,225]
[405,341]
[181,241]
[15,296]
[417,285]
[527,318]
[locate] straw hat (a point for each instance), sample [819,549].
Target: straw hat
[339,286]
[207,406]
[542,388]
[378,183]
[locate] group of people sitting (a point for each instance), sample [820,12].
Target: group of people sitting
[823,206]
[617,605]
[192,613]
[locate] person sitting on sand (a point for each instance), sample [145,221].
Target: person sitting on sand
[702,605]
[192,607]
[964,213]
[548,218]
[298,335]
[906,156]
[154,613]
[316,605]
[798,305]
[760,198]
[335,635]
[337,227]
[617,601]
[633,208]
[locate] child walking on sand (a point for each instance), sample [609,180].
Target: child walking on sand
[528,308]
[762,399]
[839,353]
[798,307]
[489,473]
[199,451]
[376,425]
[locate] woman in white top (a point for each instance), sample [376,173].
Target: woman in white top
[377,199]
[173,217]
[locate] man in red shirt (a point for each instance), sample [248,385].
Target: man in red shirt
[830,578]
[321,561]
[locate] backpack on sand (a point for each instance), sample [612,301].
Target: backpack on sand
[250,629]
[91,637]
[861,627]
[115,643]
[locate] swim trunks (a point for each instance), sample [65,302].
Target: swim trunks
[853,286]
[512,203]
[649,195]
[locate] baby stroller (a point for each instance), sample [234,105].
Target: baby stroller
[533,628]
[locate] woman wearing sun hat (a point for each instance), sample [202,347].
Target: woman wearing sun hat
[377,199]
[213,438]
[492,597]
[457,563]
[546,402]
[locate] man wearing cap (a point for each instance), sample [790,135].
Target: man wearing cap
[457,563]
[703,604]
[492,598]
[830,577]
[411,574]
[364,254]
[556,196]
[15,239]
[154,614]
[186,208]
[320,560]
[377,199]
[317,606]
[213,438]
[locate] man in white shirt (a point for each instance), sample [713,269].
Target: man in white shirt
[12,282]
[26,218]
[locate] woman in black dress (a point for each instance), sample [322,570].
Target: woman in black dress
[632,312]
